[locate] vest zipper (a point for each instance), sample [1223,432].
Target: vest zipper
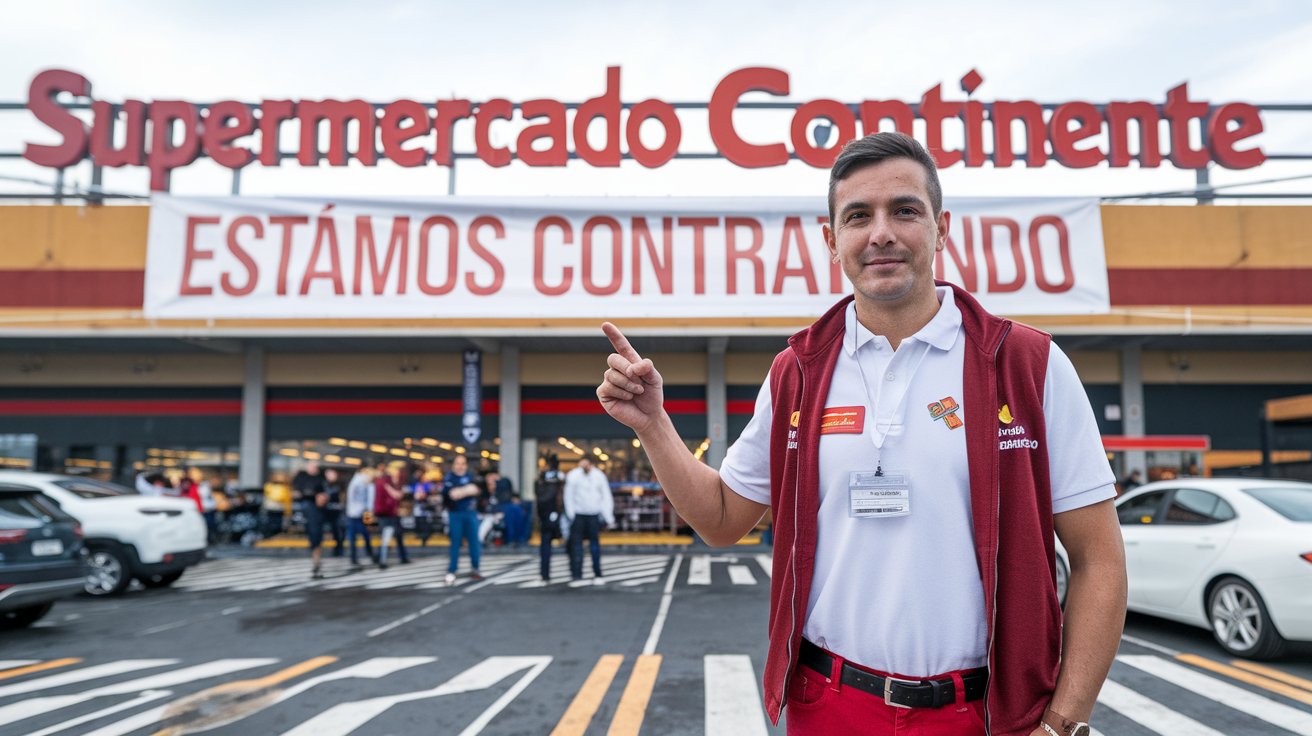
[997,518]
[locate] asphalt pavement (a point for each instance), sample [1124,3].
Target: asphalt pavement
[672,642]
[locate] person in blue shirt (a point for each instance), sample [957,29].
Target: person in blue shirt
[460,496]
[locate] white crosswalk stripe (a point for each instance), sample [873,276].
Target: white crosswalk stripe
[1275,713]
[1150,713]
[9,664]
[255,575]
[731,706]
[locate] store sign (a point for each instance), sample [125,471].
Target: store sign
[471,395]
[542,258]
[168,134]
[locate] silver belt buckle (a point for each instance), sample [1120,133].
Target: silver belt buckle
[888,691]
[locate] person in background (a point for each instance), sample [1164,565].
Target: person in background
[208,507]
[588,504]
[460,495]
[421,487]
[359,501]
[189,488]
[332,512]
[388,493]
[1131,481]
[151,484]
[311,491]
[550,492]
[508,504]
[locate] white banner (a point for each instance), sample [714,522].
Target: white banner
[251,257]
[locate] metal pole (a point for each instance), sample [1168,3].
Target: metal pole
[511,467]
[1203,184]
[1133,422]
[451,178]
[97,185]
[236,181]
[250,473]
[59,186]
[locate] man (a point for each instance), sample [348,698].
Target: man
[311,492]
[588,504]
[512,510]
[332,511]
[460,495]
[1131,481]
[387,504]
[359,499]
[549,490]
[913,529]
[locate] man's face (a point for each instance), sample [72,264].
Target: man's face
[312,468]
[885,233]
[459,465]
[585,463]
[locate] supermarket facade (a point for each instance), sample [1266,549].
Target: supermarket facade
[245,336]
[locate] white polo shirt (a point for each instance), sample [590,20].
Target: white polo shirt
[903,595]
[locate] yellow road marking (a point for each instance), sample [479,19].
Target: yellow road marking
[1266,683]
[208,706]
[580,712]
[1274,674]
[42,667]
[633,703]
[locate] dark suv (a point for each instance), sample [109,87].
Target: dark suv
[41,556]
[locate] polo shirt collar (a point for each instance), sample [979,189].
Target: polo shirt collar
[940,332]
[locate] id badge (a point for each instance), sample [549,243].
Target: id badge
[875,496]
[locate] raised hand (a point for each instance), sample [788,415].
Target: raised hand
[631,389]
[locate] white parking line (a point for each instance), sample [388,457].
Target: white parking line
[767,564]
[1277,714]
[699,570]
[84,674]
[36,706]
[1150,713]
[741,575]
[655,636]
[733,704]
[407,619]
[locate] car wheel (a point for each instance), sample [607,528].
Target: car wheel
[1063,579]
[107,572]
[26,616]
[161,581]
[1240,622]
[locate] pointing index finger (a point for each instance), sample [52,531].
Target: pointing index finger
[620,342]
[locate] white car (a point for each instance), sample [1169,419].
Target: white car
[1231,555]
[127,535]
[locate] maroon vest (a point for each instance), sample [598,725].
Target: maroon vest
[1010,497]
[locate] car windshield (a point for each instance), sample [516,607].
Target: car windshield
[88,488]
[1292,502]
[27,510]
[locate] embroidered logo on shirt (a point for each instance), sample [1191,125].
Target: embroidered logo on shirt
[946,409]
[843,420]
[1004,415]
[795,419]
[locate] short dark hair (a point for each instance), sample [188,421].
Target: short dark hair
[859,153]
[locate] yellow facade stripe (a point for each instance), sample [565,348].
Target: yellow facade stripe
[1274,674]
[73,237]
[1206,237]
[42,667]
[579,715]
[633,703]
[1234,673]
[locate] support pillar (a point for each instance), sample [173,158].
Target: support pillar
[250,473]
[1132,413]
[717,401]
[510,465]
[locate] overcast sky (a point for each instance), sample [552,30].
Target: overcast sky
[1256,51]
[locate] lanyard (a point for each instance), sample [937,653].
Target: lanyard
[877,436]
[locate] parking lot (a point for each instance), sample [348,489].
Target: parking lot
[671,643]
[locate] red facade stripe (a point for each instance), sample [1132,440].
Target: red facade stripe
[742,406]
[592,406]
[356,407]
[1210,286]
[1158,442]
[72,288]
[112,407]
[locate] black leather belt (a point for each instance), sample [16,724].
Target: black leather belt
[897,692]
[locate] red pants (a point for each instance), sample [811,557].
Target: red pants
[822,705]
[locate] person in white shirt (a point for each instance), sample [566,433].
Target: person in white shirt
[359,499]
[588,503]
